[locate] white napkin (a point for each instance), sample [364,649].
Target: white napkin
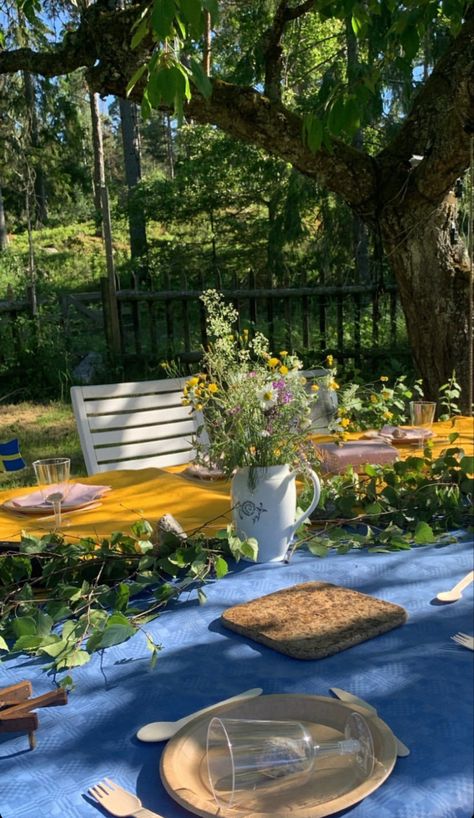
[78,494]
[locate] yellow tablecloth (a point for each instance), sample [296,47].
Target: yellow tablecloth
[151,493]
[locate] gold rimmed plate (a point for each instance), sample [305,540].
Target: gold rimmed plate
[336,783]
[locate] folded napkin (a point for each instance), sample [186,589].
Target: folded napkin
[203,472]
[398,433]
[78,494]
[358,453]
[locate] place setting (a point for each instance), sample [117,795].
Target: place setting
[57,495]
[239,757]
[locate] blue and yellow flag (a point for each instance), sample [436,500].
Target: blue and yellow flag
[10,456]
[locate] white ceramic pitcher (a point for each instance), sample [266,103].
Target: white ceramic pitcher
[267,509]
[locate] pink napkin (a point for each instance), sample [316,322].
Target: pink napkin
[78,494]
[335,459]
[398,433]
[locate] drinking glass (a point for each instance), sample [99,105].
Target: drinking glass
[422,413]
[251,758]
[52,475]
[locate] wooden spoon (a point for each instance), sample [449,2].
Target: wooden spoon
[456,593]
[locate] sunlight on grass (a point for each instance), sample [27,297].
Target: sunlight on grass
[44,430]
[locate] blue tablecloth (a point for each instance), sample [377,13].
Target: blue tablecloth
[420,681]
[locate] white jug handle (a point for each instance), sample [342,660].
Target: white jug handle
[314,502]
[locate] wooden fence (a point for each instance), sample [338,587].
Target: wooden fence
[352,322]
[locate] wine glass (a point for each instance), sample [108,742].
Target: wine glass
[250,758]
[52,475]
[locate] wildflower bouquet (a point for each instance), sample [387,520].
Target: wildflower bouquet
[256,406]
[372,405]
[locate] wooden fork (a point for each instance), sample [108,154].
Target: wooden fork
[118,801]
[464,640]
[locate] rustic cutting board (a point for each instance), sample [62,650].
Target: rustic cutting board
[314,619]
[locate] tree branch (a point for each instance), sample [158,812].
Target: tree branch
[440,122]
[272,48]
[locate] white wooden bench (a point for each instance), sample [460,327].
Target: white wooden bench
[134,425]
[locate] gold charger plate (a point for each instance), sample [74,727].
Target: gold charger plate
[334,785]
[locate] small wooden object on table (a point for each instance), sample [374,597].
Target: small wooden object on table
[16,706]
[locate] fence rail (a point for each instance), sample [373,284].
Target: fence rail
[354,322]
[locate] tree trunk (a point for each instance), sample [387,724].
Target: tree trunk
[359,230]
[39,212]
[3,226]
[99,166]
[132,163]
[432,272]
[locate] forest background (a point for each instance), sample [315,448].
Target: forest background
[191,206]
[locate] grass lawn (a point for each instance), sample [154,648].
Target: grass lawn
[44,430]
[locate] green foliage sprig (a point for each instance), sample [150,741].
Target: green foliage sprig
[416,501]
[66,601]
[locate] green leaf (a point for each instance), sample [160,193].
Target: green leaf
[318,548]
[55,648]
[24,626]
[74,659]
[467,464]
[28,642]
[312,132]
[134,79]
[44,623]
[249,549]
[140,33]
[212,6]
[423,533]
[221,567]
[410,41]
[162,18]
[192,12]
[142,529]
[122,596]
[200,79]
[3,644]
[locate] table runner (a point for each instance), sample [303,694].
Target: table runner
[420,681]
[151,493]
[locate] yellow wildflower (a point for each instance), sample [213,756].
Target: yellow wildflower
[374,399]
[283,370]
[302,381]
[329,360]
[333,385]
[387,393]
[273,362]
[383,378]
[314,387]
[213,388]
[185,402]
[283,353]
[192,382]
[199,406]
[345,422]
[387,415]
